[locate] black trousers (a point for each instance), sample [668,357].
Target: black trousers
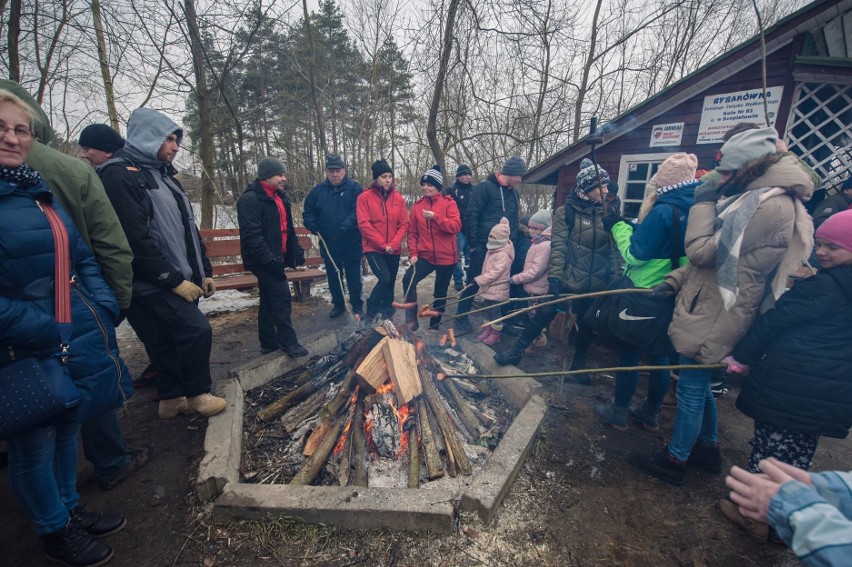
[385,268]
[477,259]
[543,317]
[419,271]
[178,340]
[274,323]
[349,263]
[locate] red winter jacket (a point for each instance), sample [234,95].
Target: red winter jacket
[382,219]
[434,240]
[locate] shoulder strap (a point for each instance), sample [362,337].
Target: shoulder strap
[62,281]
[677,238]
[570,213]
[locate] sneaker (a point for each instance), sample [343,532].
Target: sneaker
[138,458]
[647,415]
[171,408]
[706,457]
[336,312]
[613,415]
[96,524]
[510,356]
[295,350]
[758,531]
[207,404]
[458,286]
[662,465]
[75,548]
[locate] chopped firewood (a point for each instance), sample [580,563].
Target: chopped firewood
[373,370]
[401,360]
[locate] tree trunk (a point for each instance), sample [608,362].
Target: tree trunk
[312,79]
[583,88]
[446,49]
[12,40]
[104,61]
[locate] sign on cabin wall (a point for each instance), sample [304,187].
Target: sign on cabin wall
[666,134]
[722,111]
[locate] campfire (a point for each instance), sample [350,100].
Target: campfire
[378,411]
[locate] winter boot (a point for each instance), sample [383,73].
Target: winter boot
[493,337]
[95,524]
[662,465]
[510,356]
[336,311]
[411,319]
[706,457]
[647,415]
[758,531]
[207,404]
[613,414]
[486,332]
[75,548]
[170,408]
[670,401]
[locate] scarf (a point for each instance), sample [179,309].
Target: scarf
[272,193]
[22,176]
[733,216]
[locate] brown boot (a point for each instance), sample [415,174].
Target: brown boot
[171,408]
[207,404]
[758,531]
[670,400]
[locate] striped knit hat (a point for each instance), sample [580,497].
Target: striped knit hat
[433,177]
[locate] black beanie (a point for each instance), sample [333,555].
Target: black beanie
[101,137]
[433,177]
[381,167]
[269,167]
[463,169]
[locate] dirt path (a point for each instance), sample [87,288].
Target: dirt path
[576,502]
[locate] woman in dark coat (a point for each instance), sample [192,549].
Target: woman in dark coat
[43,459]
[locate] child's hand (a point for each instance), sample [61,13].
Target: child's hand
[735,367]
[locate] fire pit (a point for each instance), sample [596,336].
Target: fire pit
[356,431]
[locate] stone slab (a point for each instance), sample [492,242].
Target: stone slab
[488,488]
[516,390]
[261,370]
[347,507]
[223,443]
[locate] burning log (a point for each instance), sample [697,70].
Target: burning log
[312,466]
[455,451]
[293,419]
[434,467]
[383,426]
[414,460]
[373,370]
[401,361]
[359,476]
[316,437]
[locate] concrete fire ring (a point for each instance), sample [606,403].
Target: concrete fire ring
[432,510]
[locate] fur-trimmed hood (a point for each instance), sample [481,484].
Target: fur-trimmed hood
[773,170]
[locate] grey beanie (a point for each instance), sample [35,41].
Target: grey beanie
[269,167]
[747,146]
[515,165]
[334,161]
[541,220]
[463,169]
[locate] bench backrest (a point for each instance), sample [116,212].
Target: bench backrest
[223,249]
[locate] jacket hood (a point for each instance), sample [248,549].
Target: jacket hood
[41,125]
[682,198]
[545,235]
[147,129]
[774,170]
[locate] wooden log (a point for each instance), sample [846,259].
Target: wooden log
[468,418]
[455,450]
[345,468]
[316,437]
[310,469]
[360,474]
[303,392]
[332,408]
[401,360]
[414,460]
[363,346]
[434,467]
[373,370]
[307,409]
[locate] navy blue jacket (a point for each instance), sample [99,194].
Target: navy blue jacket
[490,203]
[260,232]
[27,313]
[330,212]
[461,194]
[801,351]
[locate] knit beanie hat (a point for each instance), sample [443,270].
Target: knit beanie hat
[541,220]
[334,161]
[101,137]
[587,178]
[380,167]
[676,169]
[515,165]
[433,177]
[837,228]
[463,170]
[745,147]
[499,235]
[269,167]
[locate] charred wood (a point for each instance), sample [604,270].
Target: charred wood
[434,467]
[455,451]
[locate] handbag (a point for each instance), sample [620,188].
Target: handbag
[32,390]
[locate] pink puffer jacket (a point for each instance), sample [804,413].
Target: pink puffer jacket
[495,270]
[534,275]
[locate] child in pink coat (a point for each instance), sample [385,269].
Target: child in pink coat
[533,277]
[494,280]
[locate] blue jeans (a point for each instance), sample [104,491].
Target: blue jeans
[696,417]
[626,382]
[43,474]
[464,252]
[103,445]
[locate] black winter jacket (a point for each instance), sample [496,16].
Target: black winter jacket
[801,352]
[461,194]
[260,232]
[490,202]
[330,212]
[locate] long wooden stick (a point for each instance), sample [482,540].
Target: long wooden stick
[564,299]
[592,370]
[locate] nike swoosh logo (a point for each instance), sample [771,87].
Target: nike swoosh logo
[623,315]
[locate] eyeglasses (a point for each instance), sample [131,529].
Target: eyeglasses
[20,132]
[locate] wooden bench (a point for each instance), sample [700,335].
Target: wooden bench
[223,249]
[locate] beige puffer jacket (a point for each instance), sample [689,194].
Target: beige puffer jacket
[702,328]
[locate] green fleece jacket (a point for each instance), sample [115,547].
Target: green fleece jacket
[83,197]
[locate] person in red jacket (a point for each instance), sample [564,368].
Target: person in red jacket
[433,224]
[383,221]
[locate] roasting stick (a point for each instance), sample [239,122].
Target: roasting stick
[339,278]
[592,370]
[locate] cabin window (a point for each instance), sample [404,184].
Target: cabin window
[633,174]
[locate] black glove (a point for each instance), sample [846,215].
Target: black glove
[554,287]
[662,290]
[300,255]
[708,191]
[611,220]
